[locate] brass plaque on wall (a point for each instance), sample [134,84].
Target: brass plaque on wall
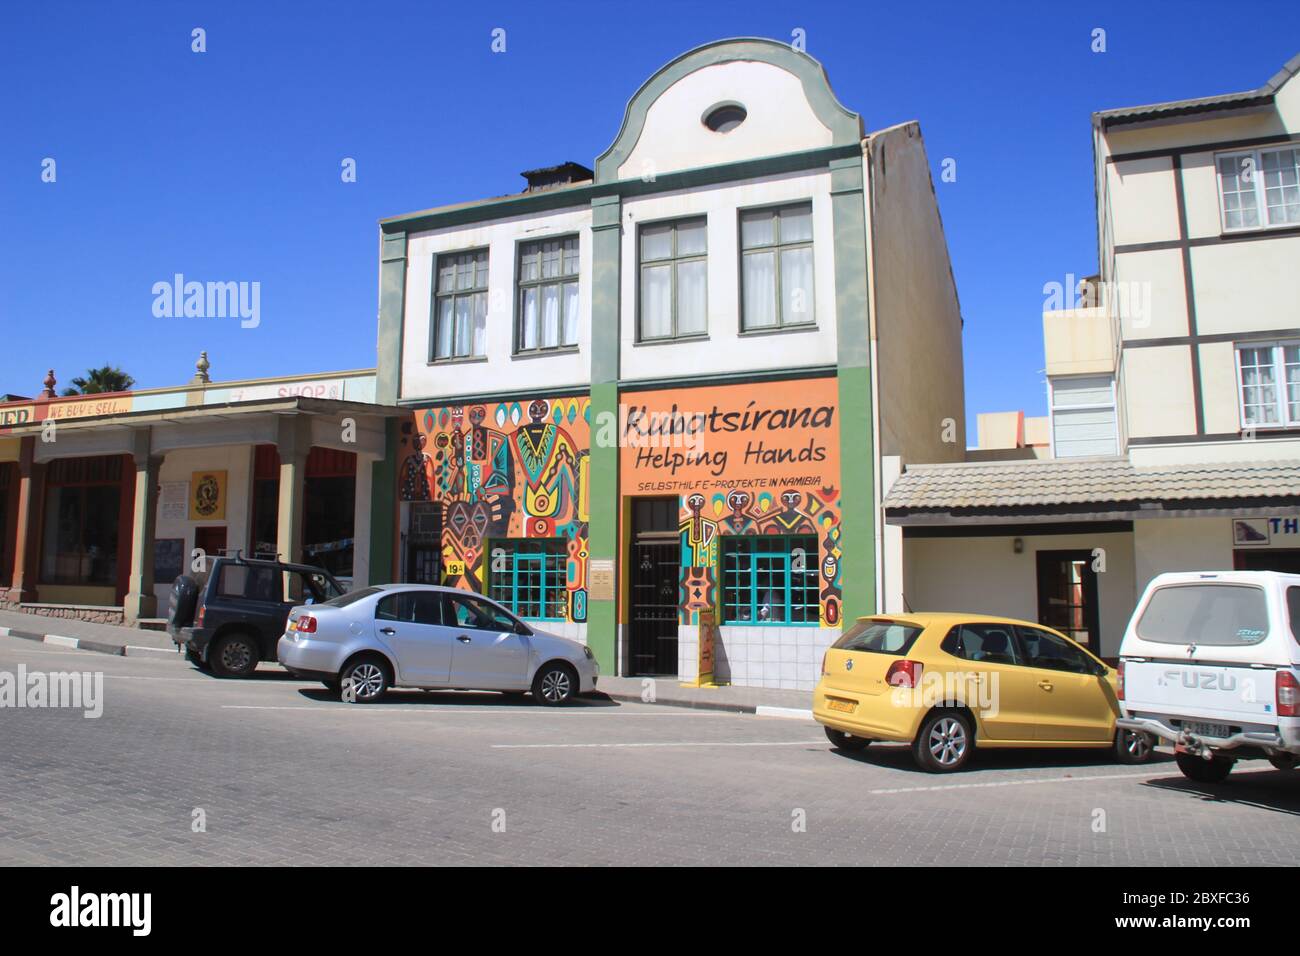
[600,579]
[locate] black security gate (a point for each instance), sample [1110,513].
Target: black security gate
[655,572]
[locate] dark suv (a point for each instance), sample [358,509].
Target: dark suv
[232,618]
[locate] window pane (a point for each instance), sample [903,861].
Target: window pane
[465,272]
[479,343]
[691,240]
[528,318]
[569,335]
[1258,387]
[796,286]
[1239,205]
[530,263]
[759,291]
[656,242]
[692,297]
[756,229]
[1206,614]
[571,256]
[1291,358]
[446,274]
[550,260]
[656,315]
[796,224]
[481,269]
[1281,169]
[550,316]
[442,342]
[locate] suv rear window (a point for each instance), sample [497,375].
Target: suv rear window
[879,637]
[255,582]
[1293,611]
[1215,615]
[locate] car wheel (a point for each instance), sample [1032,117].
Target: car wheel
[1133,746]
[364,680]
[842,741]
[555,684]
[1214,770]
[1283,761]
[233,655]
[944,743]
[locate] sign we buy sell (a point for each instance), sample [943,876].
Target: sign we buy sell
[16,416]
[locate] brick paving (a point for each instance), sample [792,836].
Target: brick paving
[285,775]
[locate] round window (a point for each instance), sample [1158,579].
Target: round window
[725,118]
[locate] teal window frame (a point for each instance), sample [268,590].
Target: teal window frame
[533,566]
[754,565]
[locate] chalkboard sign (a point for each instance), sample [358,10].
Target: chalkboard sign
[168,559]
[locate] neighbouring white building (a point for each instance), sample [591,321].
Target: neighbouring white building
[1173,388]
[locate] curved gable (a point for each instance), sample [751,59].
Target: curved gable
[787,98]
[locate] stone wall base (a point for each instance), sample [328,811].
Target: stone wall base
[69,612]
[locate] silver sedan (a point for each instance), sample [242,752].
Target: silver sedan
[416,635]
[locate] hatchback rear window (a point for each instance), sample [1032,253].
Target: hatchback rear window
[1215,615]
[879,637]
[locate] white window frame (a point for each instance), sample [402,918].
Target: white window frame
[1280,404]
[1257,180]
[1112,406]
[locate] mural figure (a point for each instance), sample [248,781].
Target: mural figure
[415,472]
[510,481]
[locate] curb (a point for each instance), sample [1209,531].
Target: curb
[76,643]
[758,710]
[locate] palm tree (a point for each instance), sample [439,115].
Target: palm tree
[110,378]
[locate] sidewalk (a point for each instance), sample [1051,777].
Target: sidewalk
[129,641]
[104,638]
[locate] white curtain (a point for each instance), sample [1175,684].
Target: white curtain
[570,334]
[796,286]
[692,297]
[656,309]
[760,290]
[528,314]
[550,316]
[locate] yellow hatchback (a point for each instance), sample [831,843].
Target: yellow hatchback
[947,683]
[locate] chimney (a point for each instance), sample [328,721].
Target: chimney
[555,177]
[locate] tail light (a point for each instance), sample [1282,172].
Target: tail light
[1288,695]
[1119,681]
[306,625]
[198,616]
[904,674]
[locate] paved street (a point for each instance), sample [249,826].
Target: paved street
[283,774]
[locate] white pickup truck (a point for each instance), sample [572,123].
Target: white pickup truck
[1210,664]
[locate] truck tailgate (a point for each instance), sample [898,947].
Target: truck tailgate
[1201,689]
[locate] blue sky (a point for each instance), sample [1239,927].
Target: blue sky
[225,165]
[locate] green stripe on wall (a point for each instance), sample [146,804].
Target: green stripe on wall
[383,507]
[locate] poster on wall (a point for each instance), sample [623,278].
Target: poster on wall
[759,458]
[208,496]
[173,500]
[1272,532]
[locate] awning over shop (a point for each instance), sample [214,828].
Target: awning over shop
[1088,489]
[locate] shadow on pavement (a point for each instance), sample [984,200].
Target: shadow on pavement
[460,698]
[1277,790]
[899,757]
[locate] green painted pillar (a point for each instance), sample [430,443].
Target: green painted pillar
[853,330]
[602,533]
[392,304]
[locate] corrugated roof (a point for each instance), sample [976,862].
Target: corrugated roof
[1084,481]
[1258,97]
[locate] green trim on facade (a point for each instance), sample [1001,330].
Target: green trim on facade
[602,484]
[602,530]
[575,197]
[853,338]
[392,308]
[383,507]
[844,124]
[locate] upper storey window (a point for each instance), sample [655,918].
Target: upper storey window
[674,294]
[460,305]
[548,295]
[777,267]
[1260,188]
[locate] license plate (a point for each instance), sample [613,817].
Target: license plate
[843,706]
[1206,730]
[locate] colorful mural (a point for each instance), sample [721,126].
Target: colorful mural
[750,459]
[505,469]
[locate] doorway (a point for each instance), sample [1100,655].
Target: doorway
[1067,596]
[424,544]
[1286,560]
[656,558]
[211,540]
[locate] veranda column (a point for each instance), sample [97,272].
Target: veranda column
[294,444]
[27,536]
[140,600]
